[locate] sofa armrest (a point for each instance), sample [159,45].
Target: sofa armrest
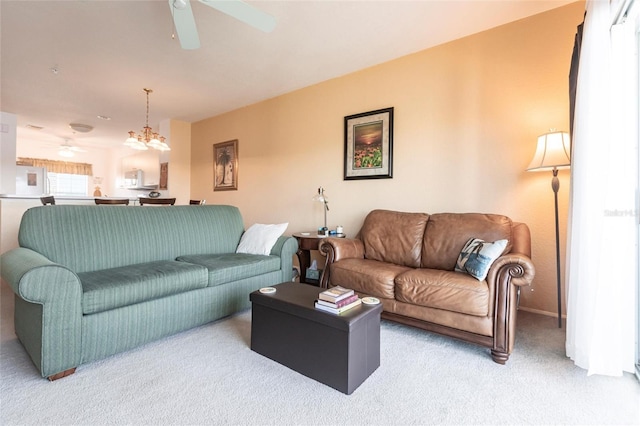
[507,274]
[285,248]
[336,249]
[48,311]
[518,267]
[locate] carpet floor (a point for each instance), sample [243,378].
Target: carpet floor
[209,375]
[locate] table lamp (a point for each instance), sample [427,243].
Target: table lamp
[323,199]
[553,153]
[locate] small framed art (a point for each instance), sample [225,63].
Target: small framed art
[225,166]
[164,176]
[368,145]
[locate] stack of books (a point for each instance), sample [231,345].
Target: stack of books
[337,300]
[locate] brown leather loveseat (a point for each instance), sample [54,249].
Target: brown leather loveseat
[408,261]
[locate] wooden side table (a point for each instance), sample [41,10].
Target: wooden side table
[308,241]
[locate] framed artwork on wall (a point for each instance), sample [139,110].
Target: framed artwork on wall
[164,176]
[225,166]
[368,145]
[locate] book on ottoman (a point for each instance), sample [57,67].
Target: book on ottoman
[338,309]
[335,294]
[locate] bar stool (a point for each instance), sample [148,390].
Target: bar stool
[162,201]
[48,200]
[112,201]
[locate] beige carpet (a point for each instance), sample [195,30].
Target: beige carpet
[209,375]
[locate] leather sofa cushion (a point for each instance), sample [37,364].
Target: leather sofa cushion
[447,233]
[229,267]
[117,287]
[451,291]
[394,237]
[367,276]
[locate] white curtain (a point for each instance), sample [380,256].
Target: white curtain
[602,257]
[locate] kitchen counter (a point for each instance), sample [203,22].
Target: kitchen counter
[62,197]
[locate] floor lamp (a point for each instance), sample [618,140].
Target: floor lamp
[552,154]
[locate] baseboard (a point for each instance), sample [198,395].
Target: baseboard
[538,311]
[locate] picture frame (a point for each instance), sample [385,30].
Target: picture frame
[164,176]
[225,166]
[368,145]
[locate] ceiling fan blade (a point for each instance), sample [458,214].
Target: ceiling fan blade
[245,13]
[185,24]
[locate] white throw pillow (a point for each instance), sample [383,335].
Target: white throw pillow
[260,238]
[477,256]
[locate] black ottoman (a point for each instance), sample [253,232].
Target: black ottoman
[340,351]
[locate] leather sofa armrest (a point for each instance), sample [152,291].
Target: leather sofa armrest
[507,274]
[335,249]
[519,268]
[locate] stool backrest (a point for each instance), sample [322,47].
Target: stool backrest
[112,201]
[48,201]
[163,201]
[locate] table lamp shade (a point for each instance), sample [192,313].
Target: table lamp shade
[552,152]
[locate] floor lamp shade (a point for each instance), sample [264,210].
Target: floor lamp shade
[552,153]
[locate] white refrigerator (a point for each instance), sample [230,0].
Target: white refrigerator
[31,180]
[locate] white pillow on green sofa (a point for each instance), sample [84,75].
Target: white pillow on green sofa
[477,256]
[260,238]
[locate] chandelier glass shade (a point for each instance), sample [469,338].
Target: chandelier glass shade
[148,138]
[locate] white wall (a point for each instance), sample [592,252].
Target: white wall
[8,124]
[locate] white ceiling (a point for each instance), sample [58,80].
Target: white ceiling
[106,52]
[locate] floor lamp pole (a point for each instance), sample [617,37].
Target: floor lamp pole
[555,185]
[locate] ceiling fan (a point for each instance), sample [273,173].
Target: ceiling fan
[68,150]
[185,23]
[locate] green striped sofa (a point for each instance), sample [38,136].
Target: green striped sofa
[93,281]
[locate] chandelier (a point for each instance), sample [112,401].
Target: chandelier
[148,138]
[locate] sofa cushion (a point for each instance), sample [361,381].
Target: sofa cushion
[260,238]
[447,233]
[367,276]
[477,256]
[451,291]
[394,237]
[114,288]
[225,268]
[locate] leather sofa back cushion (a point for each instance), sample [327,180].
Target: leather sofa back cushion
[395,237]
[447,233]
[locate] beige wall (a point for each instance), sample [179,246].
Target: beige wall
[467,115]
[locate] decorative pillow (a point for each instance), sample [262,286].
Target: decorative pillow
[477,256]
[260,239]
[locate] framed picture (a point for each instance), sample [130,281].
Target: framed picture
[164,176]
[225,166]
[368,145]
